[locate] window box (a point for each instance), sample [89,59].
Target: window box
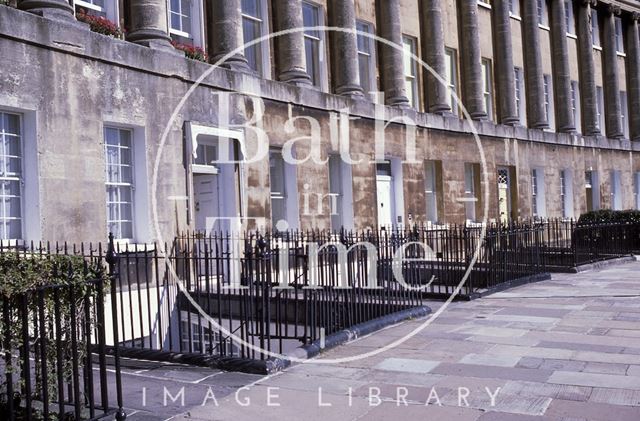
[100,24]
[190,51]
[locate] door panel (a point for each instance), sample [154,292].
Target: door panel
[205,188]
[384,201]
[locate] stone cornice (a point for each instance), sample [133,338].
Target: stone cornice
[622,5]
[65,38]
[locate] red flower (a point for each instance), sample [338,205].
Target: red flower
[100,24]
[190,51]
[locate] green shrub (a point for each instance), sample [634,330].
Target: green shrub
[610,216]
[25,275]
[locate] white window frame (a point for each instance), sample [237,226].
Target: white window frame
[514,8]
[521,101]
[485,3]
[13,177]
[616,190]
[340,193]
[566,193]
[451,65]
[570,18]
[319,74]
[410,47]
[470,195]
[290,194]
[370,56]
[594,184]
[600,108]
[624,113]
[487,88]
[543,14]
[264,65]
[538,202]
[595,30]
[575,105]
[619,36]
[548,101]
[111,8]
[197,23]
[431,190]
[140,211]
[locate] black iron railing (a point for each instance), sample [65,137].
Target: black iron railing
[242,296]
[568,244]
[54,338]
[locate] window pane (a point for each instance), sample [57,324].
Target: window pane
[13,166]
[111,136]
[126,230]
[11,124]
[251,31]
[119,165]
[12,145]
[312,59]
[175,6]
[14,229]
[186,24]
[365,77]
[175,21]
[251,8]
[277,173]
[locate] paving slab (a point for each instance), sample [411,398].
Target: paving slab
[407,365]
[592,411]
[595,380]
[561,350]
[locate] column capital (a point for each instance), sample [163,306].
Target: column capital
[592,3]
[613,9]
[635,16]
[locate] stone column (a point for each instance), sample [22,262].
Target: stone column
[561,70]
[588,95]
[470,59]
[54,9]
[149,23]
[290,57]
[391,59]
[613,108]
[533,66]
[505,79]
[344,49]
[436,93]
[226,34]
[633,75]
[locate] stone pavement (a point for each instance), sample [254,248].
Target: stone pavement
[564,349]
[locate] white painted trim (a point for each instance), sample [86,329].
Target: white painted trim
[111,9]
[141,206]
[192,131]
[31,228]
[197,24]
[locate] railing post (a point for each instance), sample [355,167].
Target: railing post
[112,259]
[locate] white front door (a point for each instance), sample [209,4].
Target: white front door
[385,203]
[504,195]
[205,189]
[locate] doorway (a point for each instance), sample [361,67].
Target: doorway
[504,195]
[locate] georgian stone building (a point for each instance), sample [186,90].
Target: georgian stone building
[130,136]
